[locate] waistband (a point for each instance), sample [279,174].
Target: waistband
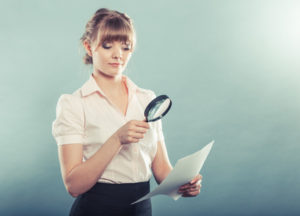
[123,193]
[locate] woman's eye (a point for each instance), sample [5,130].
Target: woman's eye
[106,46]
[126,48]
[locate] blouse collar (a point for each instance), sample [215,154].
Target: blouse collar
[91,86]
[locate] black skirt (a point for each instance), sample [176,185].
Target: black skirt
[113,199]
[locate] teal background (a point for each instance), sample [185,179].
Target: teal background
[230,67]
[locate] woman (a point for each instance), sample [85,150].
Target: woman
[107,151]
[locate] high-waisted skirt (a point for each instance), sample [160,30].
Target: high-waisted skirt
[113,199]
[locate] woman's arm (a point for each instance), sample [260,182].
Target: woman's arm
[161,165]
[80,176]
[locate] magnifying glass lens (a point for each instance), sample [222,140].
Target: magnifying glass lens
[157,108]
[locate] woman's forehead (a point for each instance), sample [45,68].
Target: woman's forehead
[113,34]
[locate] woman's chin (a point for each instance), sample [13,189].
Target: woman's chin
[110,72]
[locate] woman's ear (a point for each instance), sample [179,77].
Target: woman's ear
[87,47]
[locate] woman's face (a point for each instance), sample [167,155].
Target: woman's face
[111,58]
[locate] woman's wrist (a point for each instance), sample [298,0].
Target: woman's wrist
[116,140]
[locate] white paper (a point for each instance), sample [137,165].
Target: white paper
[184,171]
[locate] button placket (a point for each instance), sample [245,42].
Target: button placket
[135,159]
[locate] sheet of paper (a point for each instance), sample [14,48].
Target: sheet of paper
[184,171]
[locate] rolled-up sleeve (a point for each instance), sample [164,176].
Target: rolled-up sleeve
[68,127]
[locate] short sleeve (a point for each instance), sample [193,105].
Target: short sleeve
[68,127]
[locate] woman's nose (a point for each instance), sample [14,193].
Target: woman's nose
[117,53]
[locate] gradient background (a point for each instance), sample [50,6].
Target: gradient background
[230,67]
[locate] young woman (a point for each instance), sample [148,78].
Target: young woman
[107,151]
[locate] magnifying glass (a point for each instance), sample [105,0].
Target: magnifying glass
[157,108]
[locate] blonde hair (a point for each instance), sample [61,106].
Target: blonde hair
[108,26]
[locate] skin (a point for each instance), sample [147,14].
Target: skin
[80,176]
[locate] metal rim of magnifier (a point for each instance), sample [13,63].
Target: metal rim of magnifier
[152,103]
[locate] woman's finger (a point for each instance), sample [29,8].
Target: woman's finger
[190,189]
[191,194]
[131,140]
[194,187]
[197,178]
[192,184]
[135,135]
[142,124]
[189,185]
[140,130]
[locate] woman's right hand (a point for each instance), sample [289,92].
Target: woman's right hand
[132,131]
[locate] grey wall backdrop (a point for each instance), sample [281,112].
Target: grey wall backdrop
[230,67]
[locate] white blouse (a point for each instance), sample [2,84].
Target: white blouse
[87,117]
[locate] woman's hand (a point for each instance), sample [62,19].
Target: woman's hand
[192,188]
[132,131]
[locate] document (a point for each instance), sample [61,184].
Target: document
[184,171]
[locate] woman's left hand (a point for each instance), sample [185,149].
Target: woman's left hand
[192,188]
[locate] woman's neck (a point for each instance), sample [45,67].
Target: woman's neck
[110,85]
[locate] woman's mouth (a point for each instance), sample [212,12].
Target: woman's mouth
[115,64]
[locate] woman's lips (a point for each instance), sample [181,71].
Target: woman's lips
[115,64]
